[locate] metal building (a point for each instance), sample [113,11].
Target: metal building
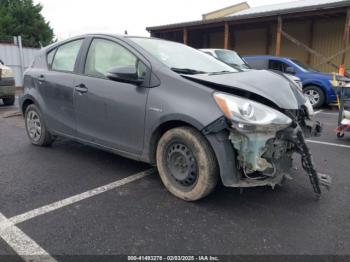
[313,31]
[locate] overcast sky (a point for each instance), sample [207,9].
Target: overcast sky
[73,17]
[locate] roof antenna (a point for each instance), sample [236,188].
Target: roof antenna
[125,32]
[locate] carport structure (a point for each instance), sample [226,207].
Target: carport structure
[313,31]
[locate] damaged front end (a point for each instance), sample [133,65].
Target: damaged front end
[264,140]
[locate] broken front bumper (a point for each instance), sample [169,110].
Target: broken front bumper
[250,158]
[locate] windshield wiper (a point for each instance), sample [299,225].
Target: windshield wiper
[221,72]
[187,71]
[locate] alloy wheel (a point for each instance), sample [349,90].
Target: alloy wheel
[33,125]
[313,96]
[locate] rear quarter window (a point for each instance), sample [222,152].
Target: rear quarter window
[38,61]
[66,56]
[257,63]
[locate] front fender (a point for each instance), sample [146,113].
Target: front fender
[324,85]
[225,156]
[179,117]
[152,134]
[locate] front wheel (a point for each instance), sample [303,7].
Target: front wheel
[187,164]
[36,128]
[315,96]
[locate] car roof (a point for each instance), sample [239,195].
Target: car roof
[110,35]
[266,57]
[216,49]
[117,36]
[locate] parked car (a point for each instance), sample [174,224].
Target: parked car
[7,85]
[164,103]
[317,86]
[232,58]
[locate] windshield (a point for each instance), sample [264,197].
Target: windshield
[182,58]
[304,67]
[231,58]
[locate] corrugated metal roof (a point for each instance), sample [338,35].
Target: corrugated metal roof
[267,10]
[290,6]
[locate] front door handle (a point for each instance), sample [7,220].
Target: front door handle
[81,88]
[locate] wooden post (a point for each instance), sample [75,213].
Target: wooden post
[227,36]
[278,36]
[268,39]
[346,34]
[311,40]
[185,36]
[204,39]
[232,39]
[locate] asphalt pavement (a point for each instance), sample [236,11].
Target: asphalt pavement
[71,199]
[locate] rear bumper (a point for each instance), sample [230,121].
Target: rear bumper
[7,87]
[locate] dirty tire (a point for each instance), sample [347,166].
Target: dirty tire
[9,101]
[317,93]
[45,138]
[200,152]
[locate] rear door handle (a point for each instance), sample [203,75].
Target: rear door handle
[81,88]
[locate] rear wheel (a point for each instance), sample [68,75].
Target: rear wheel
[9,101]
[36,128]
[315,96]
[186,163]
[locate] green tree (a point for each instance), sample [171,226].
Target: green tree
[23,17]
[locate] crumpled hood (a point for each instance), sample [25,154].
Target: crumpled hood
[267,84]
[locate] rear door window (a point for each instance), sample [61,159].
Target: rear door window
[50,57]
[66,56]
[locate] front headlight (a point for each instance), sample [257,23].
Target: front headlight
[248,114]
[338,83]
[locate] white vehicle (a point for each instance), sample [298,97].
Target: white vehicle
[232,58]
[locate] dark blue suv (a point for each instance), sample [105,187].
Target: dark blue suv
[316,85]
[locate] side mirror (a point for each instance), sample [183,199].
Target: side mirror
[126,74]
[290,70]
